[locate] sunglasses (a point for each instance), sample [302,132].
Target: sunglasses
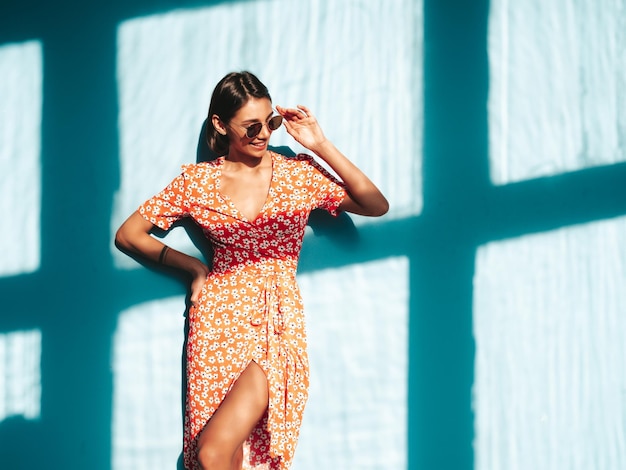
[255,129]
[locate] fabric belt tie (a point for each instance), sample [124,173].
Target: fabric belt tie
[269,311]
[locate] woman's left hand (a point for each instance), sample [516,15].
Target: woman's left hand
[302,125]
[363,196]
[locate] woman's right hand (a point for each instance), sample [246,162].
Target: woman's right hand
[199,278]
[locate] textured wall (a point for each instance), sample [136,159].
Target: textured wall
[477,326]
[549,387]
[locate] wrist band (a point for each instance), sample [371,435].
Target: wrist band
[163,253]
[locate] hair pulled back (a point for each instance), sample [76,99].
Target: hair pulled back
[229,95]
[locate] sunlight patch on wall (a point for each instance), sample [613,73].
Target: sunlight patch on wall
[357,320]
[20,374]
[20,144]
[557,80]
[361,77]
[147,395]
[550,381]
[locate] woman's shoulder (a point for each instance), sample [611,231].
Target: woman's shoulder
[201,169]
[294,166]
[294,160]
[304,163]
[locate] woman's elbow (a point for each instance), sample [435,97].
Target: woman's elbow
[371,208]
[378,209]
[121,241]
[125,235]
[131,233]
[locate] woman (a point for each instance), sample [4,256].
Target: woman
[247,366]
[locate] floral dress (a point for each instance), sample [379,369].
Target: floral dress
[250,307]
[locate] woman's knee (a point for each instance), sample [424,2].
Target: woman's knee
[212,456]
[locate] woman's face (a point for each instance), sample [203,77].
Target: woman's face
[256,110]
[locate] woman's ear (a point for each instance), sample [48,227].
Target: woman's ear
[218,125]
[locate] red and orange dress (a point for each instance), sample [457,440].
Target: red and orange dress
[250,307]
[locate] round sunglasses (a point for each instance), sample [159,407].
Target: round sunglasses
[255,129]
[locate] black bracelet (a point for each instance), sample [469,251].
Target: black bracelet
[163,253]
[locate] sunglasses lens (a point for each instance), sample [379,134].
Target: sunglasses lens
[275,122]
[254,130]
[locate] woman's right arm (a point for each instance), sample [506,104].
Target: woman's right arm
[134,236]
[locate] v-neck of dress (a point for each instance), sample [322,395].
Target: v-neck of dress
[232,204]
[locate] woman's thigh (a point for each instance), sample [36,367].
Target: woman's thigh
[242,408]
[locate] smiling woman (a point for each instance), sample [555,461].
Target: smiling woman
[247,362]
[165,76]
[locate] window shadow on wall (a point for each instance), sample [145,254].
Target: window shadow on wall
[77,294]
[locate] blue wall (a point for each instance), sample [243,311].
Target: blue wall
[72,295]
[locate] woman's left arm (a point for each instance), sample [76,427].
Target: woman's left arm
[364,197]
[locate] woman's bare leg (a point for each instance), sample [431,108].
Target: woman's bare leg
[238,459]
[220,443]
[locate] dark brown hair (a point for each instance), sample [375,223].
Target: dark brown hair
[229,95]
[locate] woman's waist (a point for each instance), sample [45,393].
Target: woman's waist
[258,265]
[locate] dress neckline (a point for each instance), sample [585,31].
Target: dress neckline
[230,202]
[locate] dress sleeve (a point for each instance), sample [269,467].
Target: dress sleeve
[328,192]
[169,205]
